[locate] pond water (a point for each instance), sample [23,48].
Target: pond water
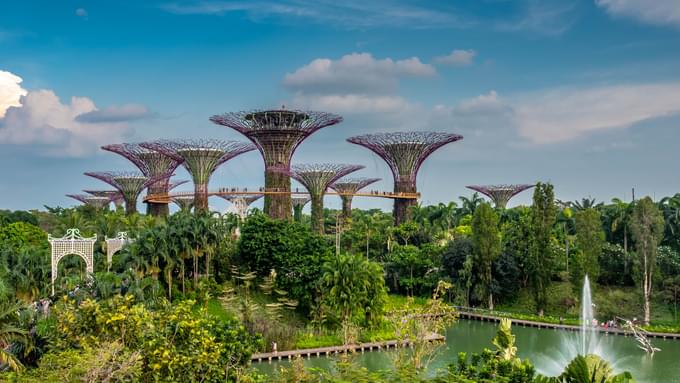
[547,349]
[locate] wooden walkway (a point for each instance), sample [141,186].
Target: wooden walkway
[566,327]
[332,350]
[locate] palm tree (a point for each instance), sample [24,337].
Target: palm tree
[10,333]
[586,203]
[469,205]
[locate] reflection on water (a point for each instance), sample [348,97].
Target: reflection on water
[542,346]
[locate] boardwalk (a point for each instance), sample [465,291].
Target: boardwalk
[325,351]
[566,327]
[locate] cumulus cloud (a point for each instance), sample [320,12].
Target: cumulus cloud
[44,122]
[123,113]
[356,73]
[10,91]
[659,12]
[458,57]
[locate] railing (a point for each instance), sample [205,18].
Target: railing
[167,197]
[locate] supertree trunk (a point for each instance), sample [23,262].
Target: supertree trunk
[297,213]
[277,206]
[154,208]
[402,206]
[130,206]
[346,211]
[317,214]
[201,198]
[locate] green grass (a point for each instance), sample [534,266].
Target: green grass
[214,307]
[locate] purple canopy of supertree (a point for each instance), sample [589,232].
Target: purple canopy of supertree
[317,178]
[129,183]
[152,164]
[200,157]
[500,194]
[247,198]
[113,195]
[346,188]
[174,184]
[184,202]
[405,153]
[91,200]
[277,134]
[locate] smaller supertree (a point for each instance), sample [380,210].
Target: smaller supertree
[200,157]
[500,194]
[113,195]
[184,202]
[129,184]
[317,178]
[299,204]
[241,202]
[346,188]
[90,200]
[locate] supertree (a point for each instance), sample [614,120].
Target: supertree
[152,164]
[113,195]
[184,202]
[299,203]
[91,200]
[200,157]
[346,188]
[241,202]
[316,178]
[129,184]
[404,152]
[277,133]
[500,194]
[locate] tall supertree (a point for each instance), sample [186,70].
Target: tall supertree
[91,200]
[277,133]
[114,195]
[152,164]
[346,188]
[129,184]
[241,202]
[317,178]
[184,202]
[200,157]
[500,194]
[299,203]
[404,152]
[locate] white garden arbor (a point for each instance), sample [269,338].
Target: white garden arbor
[113,245]
[72,243]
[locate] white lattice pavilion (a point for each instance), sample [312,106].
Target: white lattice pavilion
[113,245]
[72,243]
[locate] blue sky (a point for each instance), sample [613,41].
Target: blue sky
[584,94]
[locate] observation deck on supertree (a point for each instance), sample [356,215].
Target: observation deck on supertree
[299,203]
[500,194]
[113,195]
[200,157]
[129,183]
[317,178]
[91,200]
[404,152]
[184,202]
[277,134]
[346,188]
[152,164]
[241,202]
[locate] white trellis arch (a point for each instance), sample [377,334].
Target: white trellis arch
[72,243]
[113,245]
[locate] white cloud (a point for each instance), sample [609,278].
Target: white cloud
[458,57]
[565,114]
[545,17]
[354,103]
[81,12]
[44,122]
[10,91]
[123,113]
[355,73]
[660,12]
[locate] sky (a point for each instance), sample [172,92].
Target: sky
[584,94]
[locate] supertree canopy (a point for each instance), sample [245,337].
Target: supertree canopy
[299,203]
[113,195]
[152,164]
[241,202]
[346,188]
[130,185]
[200,157]
[91,200]
[500,194]
[184,202]
[317,178]
[277,133]
[404,152]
